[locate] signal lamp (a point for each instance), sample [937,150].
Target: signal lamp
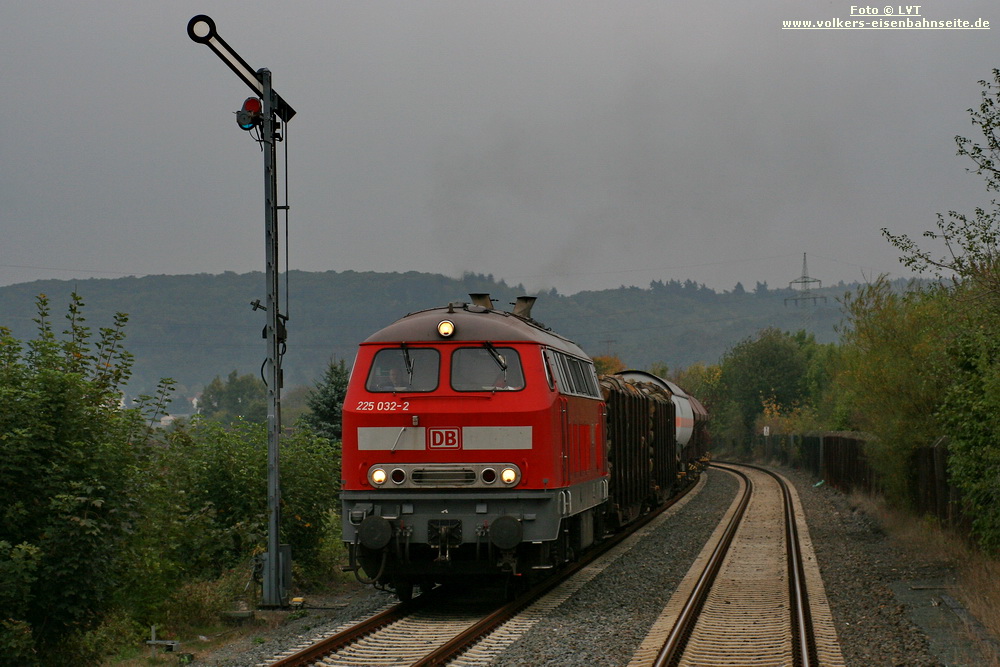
[508,475]
[378,477]
[249,116]
[446,328]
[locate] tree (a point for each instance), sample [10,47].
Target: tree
[326,401]
[972,244]
[767,369]
[827,408]
[967,327]
[896,367]
[659,369]
[239,397]
[700,381]
[969,414]
[293,403]
[66,482]
[608,364]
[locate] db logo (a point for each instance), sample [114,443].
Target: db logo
[444,438]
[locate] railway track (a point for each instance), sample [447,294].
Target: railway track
[754,596]
[445,627]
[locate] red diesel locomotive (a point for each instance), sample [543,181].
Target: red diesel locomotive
[477,442]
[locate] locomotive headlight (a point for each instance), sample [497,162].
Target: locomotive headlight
[508,475]
[378,476]
[446,328]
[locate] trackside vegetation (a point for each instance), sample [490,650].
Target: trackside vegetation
[109,524]
[914,366]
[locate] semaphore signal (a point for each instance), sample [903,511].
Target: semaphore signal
[263,111]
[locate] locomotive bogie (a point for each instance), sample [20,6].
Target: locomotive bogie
[538,512]
[444,536]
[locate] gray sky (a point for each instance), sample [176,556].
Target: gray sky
[568,144]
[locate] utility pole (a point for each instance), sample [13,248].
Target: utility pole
[263,113]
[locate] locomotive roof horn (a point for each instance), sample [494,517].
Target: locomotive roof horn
[482,299]
[522,307]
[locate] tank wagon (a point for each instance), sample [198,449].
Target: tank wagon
[477,442]
[691,420]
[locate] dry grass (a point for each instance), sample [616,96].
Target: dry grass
[978,576]
[203,641]
[979,581]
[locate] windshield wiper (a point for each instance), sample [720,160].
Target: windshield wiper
[497,357]
[408,361]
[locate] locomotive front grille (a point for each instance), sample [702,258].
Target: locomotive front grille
[444,476]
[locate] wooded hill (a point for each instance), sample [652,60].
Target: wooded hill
[193,328]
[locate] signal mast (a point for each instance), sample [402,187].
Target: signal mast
[262,112]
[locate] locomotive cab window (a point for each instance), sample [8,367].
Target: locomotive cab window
[404,369]
[575,377]
[486,368]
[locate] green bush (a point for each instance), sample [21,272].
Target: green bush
[17,644]
[970,411]
[107,525]
[66,482]
[118,634]
[895,369]
[197,604]
[330,556]
[204,512]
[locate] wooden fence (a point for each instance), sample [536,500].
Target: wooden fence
[839,459]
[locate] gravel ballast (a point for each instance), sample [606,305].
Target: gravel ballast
[608,618]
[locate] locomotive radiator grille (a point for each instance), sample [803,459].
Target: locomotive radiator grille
[444,476]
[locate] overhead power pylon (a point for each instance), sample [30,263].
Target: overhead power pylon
[804,284]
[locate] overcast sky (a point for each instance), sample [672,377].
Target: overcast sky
[568,144]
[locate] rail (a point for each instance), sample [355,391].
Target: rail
[750,602]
